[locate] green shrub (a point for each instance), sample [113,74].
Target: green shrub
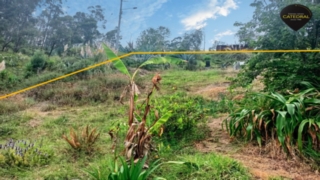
[280,71]
[8,80]
[53,63]
[188,113]
[37,63]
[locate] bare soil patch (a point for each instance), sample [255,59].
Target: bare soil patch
[214,91]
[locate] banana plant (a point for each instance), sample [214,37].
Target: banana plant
[138,138]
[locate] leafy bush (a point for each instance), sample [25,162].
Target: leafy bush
[8,80]
[292,120]
[280,71]
[187,114]
[37,63]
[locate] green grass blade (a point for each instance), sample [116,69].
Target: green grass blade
[126,171]
[138,168]
[280,125]
[258,135]
[279,97]
[306,91]
[269,97]
[152,168]
[312,101]
[117,63]
[249,130]
[131,169]
[291,109]
[307,84]
[300,131]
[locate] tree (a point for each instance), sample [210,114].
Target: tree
[267,31]
[111,37]
[51,30]
[175,43]
[47,24]
[16,22]
[192,41]
[153,39]
[86,28]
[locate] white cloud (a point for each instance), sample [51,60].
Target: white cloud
[222,34]
[211,10]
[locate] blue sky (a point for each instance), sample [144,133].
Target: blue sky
[216,17]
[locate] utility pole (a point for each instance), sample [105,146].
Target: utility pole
[204,40]
[118,30]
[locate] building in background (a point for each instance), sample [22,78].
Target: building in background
[233,47]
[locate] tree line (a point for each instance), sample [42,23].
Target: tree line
[51,29]
[42,24]
[266,31]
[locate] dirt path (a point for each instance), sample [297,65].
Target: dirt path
[262,165]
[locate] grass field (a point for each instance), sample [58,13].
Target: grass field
[35,118]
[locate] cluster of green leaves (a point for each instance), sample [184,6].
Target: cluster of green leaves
[280,70]
[7,79]
[285,71]
[292,120]
[15,64]
[187,114]
[132,170]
